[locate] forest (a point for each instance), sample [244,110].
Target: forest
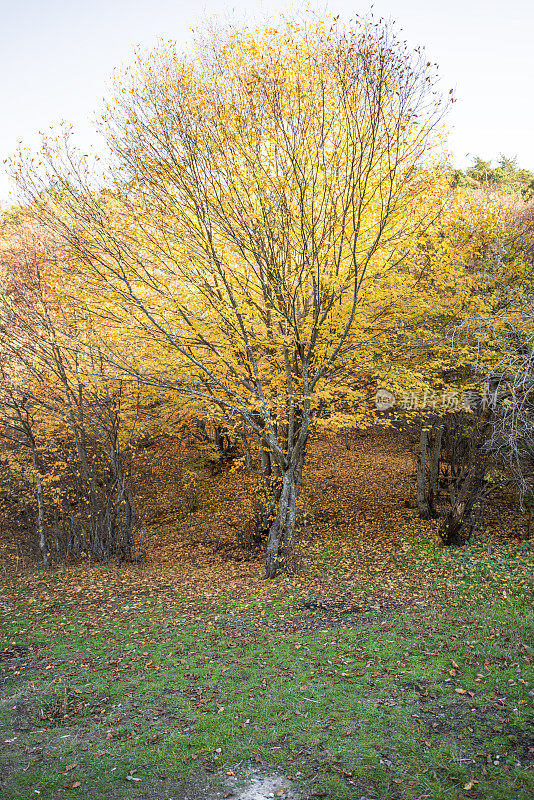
[267,437]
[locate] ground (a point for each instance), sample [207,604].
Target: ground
[379,666]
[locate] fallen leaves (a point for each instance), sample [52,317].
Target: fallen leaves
[470,785]
[150,641]
[461,690]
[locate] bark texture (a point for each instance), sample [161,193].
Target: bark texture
[456,527]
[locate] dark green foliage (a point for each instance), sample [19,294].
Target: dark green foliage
[506,175]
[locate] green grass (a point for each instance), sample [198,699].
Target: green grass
[374,709]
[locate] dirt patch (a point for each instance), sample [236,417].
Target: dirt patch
[16,651]
[479,724]
[265,788]
[320,615]
[335,614]
[458,717]
[329,622]
[61,710]
[522,742]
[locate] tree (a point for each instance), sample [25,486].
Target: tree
[493,353]
[506,177]
[266,193]
[482,172]
[59,405]
[512,435]
[17,426]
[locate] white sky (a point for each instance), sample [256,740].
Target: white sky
[57,58]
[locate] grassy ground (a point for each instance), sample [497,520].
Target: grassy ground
[403,675]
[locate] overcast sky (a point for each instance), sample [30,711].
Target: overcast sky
[57,58]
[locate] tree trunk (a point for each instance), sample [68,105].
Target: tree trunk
[43,547]
[265,456]
[126,518]
[435,456]
[282,529]
[422,499]
[219,438]
[455,528]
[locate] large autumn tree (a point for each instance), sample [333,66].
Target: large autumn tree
[268,192]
